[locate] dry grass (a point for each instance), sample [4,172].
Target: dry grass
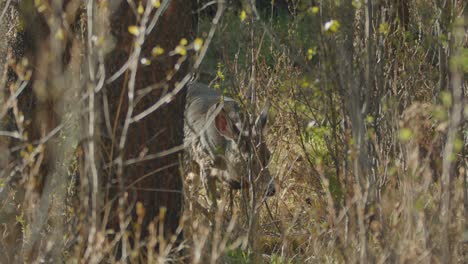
[369,168]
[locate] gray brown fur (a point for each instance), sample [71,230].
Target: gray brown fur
[224,150]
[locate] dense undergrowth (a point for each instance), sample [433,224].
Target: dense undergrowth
[393,211]
[367,129]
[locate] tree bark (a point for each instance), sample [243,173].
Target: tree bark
[162,129]
[64,62]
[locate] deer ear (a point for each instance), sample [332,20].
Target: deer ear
[223,125]
[260,123]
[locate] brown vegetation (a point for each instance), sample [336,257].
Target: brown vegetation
[367,131]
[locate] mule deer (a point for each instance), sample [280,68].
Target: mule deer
[220,142]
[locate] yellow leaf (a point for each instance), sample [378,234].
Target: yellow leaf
[310,53]
[183,42]
[140,9]
[384,28]
[134,30]
[243,15]
[140,209]
[197,44]
[156,3]
[157,51]
[332,26]
[181,50]
[357,4]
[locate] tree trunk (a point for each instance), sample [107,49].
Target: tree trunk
[60,103]
[158,183]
